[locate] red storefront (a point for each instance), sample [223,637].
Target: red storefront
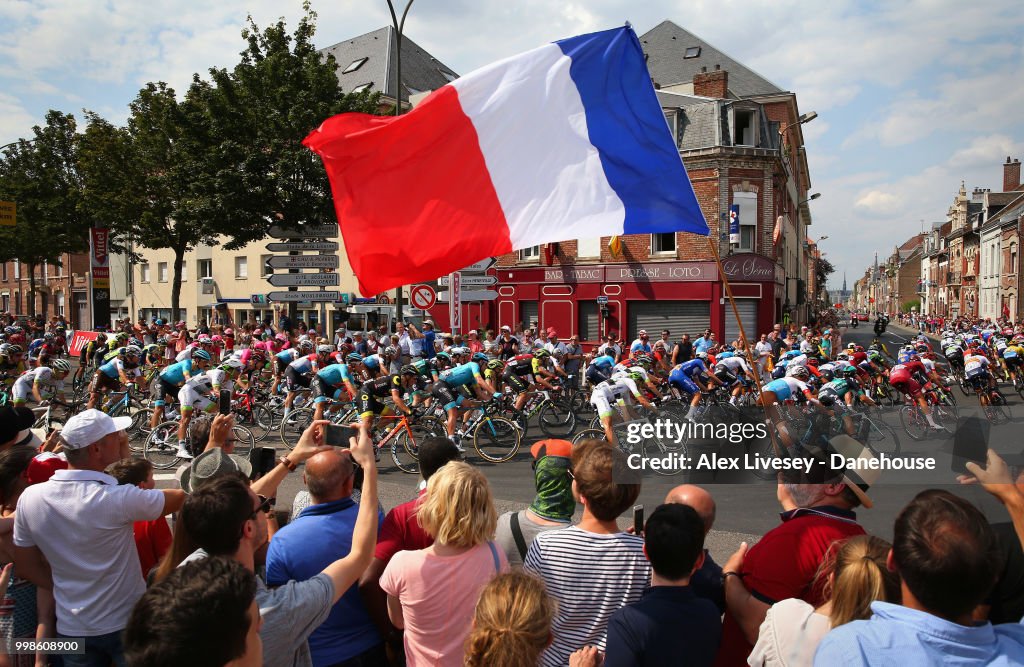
[683,297]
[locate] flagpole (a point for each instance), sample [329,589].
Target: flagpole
[712,242]
[399,27]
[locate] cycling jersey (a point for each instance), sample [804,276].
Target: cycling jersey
[175,373]
[115,367]
[288,356]
[785,387]
[603,361]
[975,365]
[735,365]
[692,368]
[606,394]
[335,375]
[465,375]
[371,390]
[520,365]
[620,370]
[42,376]
[112,354]
[303,364]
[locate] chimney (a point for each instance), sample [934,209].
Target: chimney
[1011,170]
[716,83]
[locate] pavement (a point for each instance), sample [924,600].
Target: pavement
[744,511]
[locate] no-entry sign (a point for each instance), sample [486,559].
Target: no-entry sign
[422,296]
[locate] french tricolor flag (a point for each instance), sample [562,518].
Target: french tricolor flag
[562,142]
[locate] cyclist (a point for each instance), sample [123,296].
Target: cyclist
[782,389]
[600,369]
[906,376]
[492,372]
[688,377]
[520,375]
[172,378]
[423,380]
[284,357]
[447,390]
[976,367]
[611,392]
[369,406]
[1013,356]
[300,372]
[203,391]
[12,363]
[30,382]
[330,381]
[734,372]
[115,374]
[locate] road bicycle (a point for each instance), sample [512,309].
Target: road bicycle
[128,403]
[402,439]
[554,415]
[627,436]
[161,445]
[915,423]
[495,439]
[251,410]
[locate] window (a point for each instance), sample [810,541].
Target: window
[588,247]
[60,303]
[241,267]
[747,202]
[529,254]
[663,244]
[265,269]
[691,52]
[161,272]
[672,118]
[3,275]
[361,87]
[17,269]
[60,269]
[1013,257]
[744,133]
[144,272]
[449,77]
[46,269]
[205,268]
[354,65]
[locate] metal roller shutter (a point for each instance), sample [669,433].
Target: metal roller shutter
[748,315]
[528,313]
[679,317]
[588,326]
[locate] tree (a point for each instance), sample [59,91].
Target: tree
[822,270]
[41,175]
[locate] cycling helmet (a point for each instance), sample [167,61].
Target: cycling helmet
[541,353]
[48,336]
[858,348]
[826,375]
[201,354]
[231,364]
[850,346]
[409,369]
[703,356]
[391,351]
[730,348]
[101,338]
[159,323]
[60,365]
[14,349]
[306,346]
[354,358]
[643,360]
[798,372]
[444,357]
[371,362]
[496,365]
[324,349]
[842,356]
[215,338]
[848,371]
[8,330]
[204,340]
[133,351]
[636,376]
[135,341]
[281,337]
[480,358]
[459,350]
[921,347]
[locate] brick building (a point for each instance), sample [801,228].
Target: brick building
[60,290]
[740,138]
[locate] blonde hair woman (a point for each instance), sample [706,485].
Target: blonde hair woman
[512,624]
[432,592]
[856,575]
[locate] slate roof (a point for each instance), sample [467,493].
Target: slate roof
[665,45]
[420,70]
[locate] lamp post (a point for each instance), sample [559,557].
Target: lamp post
[399,25]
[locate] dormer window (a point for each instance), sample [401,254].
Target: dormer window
[354,65]
[692,52]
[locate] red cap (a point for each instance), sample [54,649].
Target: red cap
[42,467]
[551,447]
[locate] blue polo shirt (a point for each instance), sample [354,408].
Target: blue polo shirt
[301,550]
[428,344]
[908,637]
[701,345]
[668,623]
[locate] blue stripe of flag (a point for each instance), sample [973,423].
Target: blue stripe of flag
[628,128]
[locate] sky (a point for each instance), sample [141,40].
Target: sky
[912,97]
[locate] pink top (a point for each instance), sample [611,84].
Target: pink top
[438,596]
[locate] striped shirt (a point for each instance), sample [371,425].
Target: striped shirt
[591,576]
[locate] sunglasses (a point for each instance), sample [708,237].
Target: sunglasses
[264,506]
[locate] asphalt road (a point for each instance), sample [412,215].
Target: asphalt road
[745,511]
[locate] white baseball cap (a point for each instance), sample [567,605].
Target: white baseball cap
[91,426]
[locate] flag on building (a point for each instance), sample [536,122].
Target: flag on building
[562,142]
[615,246]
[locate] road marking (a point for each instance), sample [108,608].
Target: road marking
[164,476]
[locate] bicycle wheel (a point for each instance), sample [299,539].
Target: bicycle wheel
[556,419]
[588,434]
[161,447]
[138,431]
[880,437]
[261,422]
[291,429]
[496,439]
[655,448]
[244,440]
[914,423]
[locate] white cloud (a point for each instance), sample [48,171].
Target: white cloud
[877,202]
[986,150]
[15,120]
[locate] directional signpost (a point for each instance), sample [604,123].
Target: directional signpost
[305,232]
[470,295]
[324,261]
[471,281]
[480,266]
[469,277]
[303,262]
[304,279]
[322,296]
[304,246]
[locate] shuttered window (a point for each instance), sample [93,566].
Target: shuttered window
[528,313]
[588,326]
[679,317]
[748,315]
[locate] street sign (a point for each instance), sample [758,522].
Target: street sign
[303,262]
[602,300]
[480,266]
[298,279]
[8,213]
[304,232]
[422,296]
[304,246]
[470,295]
[329,295]
[471,281]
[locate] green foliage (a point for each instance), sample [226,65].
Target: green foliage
[911,306]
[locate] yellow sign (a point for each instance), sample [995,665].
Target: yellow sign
[101,283]
[8,213]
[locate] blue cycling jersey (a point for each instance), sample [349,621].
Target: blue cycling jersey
[110,369]
[335,374]
[604,361]
[287,355]
[464,375]
[175,373]
[693,367]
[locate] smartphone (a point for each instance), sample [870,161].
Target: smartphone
[225,402]
[338,436]
[638,519]
[262,460]
[970,444]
